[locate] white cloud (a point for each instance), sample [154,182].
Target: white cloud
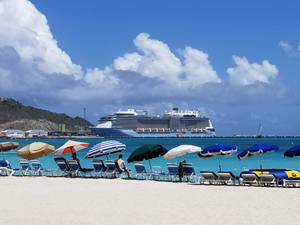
[197,68]
[158,61]
[26,29]
[285,46]
[289,49]
[246,73]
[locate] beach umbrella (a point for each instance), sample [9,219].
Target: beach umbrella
[181,150]
[147,152]
[293,152]
[257,149]
[70,147]
[217,150]
[35,150]
[7,146]
[105,148]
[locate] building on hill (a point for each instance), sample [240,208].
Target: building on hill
[14,133]
[36,133]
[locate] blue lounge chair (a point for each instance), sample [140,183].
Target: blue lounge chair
[98,167]
[173,173]
[5,168]
[111,169]
[208,177]
[63,167]
[140,171]
[25,167]
[188,172]
[37,168]
[75,168]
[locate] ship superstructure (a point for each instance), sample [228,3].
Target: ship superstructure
[137,123]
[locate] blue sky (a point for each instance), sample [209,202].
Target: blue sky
[237,62]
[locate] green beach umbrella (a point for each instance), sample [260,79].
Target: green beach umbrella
[147,152]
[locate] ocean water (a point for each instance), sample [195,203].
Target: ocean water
[228,163]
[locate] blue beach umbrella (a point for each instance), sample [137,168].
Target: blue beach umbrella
[257,149]
[292,152]
[105,148]
[218,150]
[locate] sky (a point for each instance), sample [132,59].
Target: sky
[236,62]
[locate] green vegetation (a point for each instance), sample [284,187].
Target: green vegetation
[14,115]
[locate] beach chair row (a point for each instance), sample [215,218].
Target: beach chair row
[27,168]
[109,169]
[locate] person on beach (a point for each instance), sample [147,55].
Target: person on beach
[180,170]
[122,166]
[74,156]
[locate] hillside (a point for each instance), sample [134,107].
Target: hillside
[14,115]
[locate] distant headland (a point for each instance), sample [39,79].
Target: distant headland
[15,115]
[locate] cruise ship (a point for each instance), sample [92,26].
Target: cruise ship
[137,123]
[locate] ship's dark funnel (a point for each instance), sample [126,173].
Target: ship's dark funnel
[175,109]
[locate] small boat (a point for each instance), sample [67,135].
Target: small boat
[259,132]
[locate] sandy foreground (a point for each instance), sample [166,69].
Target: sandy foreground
[59,201]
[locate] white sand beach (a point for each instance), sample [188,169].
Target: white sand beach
[58,201]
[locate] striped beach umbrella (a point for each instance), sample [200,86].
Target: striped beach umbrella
[105,148]
[218,150]
[257,149]
[70,147]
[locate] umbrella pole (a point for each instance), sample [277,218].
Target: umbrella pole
[150,164]
[219,164]
[260,164]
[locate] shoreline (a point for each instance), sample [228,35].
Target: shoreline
[124,137]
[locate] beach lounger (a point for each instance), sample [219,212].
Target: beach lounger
[140,172]
[111,170]
[188,172]
[291,183]
[5,168]
[267,179]
[63,167]
[76,169]
[226,178]
[25,167]
[208,176]
[249,178]
[173,173]
[37,168]
[98,167]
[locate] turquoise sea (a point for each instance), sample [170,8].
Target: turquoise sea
[271,160]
